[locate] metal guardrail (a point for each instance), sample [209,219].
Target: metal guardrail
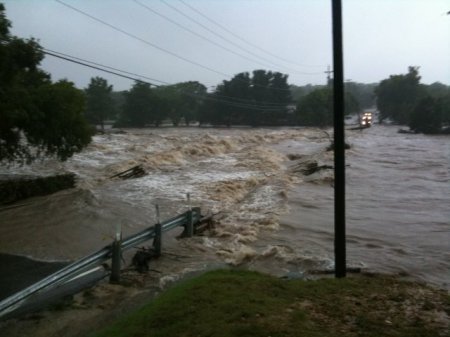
[71,271]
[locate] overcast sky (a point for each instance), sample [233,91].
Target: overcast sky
[381,37]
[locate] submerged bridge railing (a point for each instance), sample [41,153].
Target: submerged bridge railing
[112,251]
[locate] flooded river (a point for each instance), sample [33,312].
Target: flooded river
[270,215]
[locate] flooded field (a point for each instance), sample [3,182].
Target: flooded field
[270,215]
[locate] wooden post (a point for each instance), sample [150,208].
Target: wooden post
[157,241]
[116,256]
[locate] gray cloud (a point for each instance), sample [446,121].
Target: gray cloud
[380,38]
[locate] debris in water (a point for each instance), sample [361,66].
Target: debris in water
[142,258]
[309,167]
[134,172]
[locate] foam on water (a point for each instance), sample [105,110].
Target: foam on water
[223,172]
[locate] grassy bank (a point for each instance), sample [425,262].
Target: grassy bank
[242,303]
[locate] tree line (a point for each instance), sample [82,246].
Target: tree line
[262,98]
[404,100]
[258,99]
[142,105]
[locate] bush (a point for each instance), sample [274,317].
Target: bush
[12,190]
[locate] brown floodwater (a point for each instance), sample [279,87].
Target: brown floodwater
[398,213]
[271,216]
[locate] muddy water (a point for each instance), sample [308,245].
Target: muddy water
[398,213]
[270,215]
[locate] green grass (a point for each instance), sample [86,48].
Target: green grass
[243,303]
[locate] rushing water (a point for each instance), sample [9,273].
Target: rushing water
[270,216]
[398,214]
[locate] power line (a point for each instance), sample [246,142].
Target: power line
[100,67]
[231,42]
[197,34]
[140,39]
[149,43]
[95,67]
[51,52]
[242,39]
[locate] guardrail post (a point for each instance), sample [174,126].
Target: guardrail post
[157,241]
[116,256]
[189,232]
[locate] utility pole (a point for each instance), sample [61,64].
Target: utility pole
[328,72]
[339,143]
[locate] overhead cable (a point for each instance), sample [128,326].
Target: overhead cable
[197,34]
[94,67]
[232,42]
[50,52]
[245,40]
[149,43]
[99,67]
[272,64]
[140,39]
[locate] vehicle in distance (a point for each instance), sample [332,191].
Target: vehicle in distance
[366,119]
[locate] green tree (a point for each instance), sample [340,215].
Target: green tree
[221,112]
[58,126]
[431,115]
[260,99]
[398,95]
[316,108]
[37,118]
[298,92]
[232,100]
[192,96]
[181,101]
[170,102]
[427,116]
[445,101]
[262,94]
[279,89]
[364,94]
[280,95]
[141,107]
[260,83]
[438,89]
[99,102]
[351,104]
[118,98]
[207,110]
